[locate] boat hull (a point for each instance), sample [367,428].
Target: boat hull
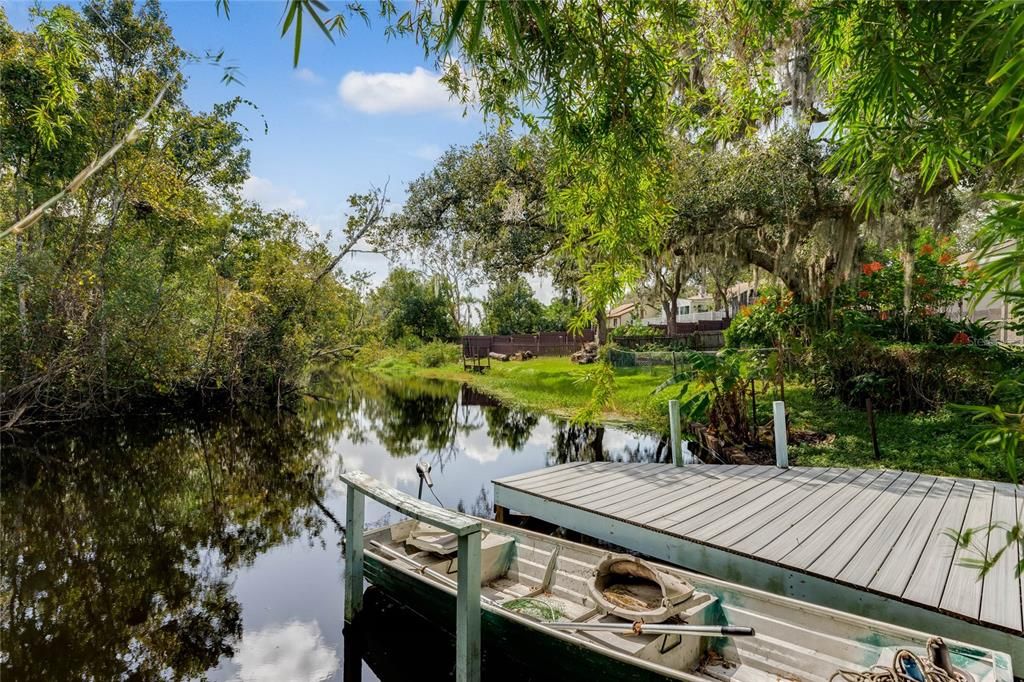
[549,657]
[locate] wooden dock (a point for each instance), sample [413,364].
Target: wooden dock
[872,542]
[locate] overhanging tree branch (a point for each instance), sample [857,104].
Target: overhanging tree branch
[141,125]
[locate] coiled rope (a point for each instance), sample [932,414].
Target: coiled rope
[907,667]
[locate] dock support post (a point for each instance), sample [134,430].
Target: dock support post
[467,613]
[355,509]
[781,444]
[675,432]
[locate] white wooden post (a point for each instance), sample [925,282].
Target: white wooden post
[467,611]
[675,433]
[781,446]
[355,509]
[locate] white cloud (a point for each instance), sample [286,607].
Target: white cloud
[270,196]
[295,651]
[428,152]
[374,93]
[307,76]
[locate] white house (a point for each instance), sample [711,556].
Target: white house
[625,313]
[696,309]
[992,307]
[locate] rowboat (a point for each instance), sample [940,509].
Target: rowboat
[590,613]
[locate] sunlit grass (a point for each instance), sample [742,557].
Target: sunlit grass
[932,443]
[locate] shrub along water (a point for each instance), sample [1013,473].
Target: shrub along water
[153,280]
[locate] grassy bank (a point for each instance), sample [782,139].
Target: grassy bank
[932,443]
[551,385]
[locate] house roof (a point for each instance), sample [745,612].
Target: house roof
[622,309]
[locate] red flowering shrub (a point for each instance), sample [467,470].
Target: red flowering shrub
[961,339]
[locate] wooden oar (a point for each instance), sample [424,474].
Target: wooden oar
[658,629]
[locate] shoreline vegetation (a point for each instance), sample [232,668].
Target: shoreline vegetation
[925,442]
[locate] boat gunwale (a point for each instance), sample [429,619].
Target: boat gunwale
[565,635]
[700,581]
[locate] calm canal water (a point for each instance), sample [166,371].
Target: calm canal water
[192,548]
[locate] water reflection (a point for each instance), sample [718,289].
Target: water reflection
[190,548]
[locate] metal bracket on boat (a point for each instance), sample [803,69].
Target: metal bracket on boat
[664,640]
[549,572]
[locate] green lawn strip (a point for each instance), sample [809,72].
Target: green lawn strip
[934,443]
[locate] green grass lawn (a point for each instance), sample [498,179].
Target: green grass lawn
[934,443]
[557,386]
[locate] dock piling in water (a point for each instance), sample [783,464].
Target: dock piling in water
[676,433]
[781,444]
[467,615]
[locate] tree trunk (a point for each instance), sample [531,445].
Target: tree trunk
[602,327]
[22,305]
[908,274]
[670,318]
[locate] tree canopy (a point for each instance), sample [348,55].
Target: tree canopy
[152,280]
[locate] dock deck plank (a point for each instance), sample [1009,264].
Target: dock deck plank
[814,507]
[831,546]
[869,555]
[928,580]
[1001,594]
[883,532]
[960,594]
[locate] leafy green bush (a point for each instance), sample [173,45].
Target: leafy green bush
[632,328]
[905,377]
[408,342]
[761,324]
[437,353]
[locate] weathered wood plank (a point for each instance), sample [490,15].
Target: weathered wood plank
[871,553]
[714,560]
[879,530]
[686,521]
[522,478]
[778,503]
[1001,591]
[590,477]
[815,532]
[898,565]
[558,475]
[689,495]
[842,543]
[663,486]
[815,506]
[355,510]
[450,521]
[467,610]
[638,482]
[751,511]
[962,593]
[932,568]
[679,520]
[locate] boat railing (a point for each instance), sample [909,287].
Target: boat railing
[467,529]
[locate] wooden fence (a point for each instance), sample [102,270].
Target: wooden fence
[545,343]
[698,340]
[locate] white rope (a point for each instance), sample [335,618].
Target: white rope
[895,672]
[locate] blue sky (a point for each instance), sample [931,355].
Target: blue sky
[354,114]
